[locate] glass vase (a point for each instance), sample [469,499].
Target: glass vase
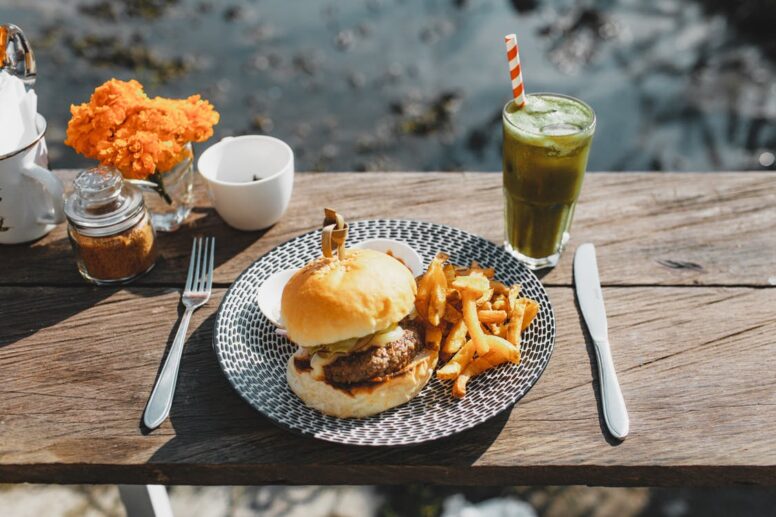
[170,201]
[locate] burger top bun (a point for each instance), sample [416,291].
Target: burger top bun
[332,298]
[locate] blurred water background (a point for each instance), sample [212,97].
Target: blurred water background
[685,85]
[406,85]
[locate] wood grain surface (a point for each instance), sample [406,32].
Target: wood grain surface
[693,341]
[693,363]
[649,229]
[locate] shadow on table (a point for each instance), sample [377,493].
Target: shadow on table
[29,307]
[45,261]
[205,404]
[541,273]
[592,358]
[175,247]
[213,425]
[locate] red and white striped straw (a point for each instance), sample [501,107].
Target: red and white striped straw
[513,56]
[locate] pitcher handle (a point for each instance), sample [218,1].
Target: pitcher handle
[16,56]
[55,190]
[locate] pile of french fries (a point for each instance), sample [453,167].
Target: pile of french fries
[473,320]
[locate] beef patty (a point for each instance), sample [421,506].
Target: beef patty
[377,361]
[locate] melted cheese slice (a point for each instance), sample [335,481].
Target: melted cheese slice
[317,362]
[387,336]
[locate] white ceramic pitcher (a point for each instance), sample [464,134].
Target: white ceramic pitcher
[31,197]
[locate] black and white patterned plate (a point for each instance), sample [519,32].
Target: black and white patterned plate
[253,357]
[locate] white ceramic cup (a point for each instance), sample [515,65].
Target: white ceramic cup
[249,178]
[31,197]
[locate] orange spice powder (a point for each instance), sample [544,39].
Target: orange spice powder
[116,257]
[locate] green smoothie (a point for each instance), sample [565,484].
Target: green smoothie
[546,144]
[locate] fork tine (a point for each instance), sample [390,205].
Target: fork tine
[195,284]
[191,265]
[210,268]
[202,282]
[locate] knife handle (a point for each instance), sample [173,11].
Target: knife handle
[615,413]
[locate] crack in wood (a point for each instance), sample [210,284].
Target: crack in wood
[679,264]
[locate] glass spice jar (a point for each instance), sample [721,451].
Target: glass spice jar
[109,228]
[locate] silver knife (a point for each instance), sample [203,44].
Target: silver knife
[591,301]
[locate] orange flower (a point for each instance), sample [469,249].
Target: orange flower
[122,127]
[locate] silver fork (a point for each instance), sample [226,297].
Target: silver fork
[197,292]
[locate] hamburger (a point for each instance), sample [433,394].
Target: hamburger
[361,351]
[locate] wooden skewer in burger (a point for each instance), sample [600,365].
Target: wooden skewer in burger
[351,312]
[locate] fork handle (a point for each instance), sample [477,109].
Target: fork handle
[158,408]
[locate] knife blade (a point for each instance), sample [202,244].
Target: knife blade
[591,302]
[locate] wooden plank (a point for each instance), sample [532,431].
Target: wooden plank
[695,365]
[650,228]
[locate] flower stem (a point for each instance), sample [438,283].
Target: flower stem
[156,178]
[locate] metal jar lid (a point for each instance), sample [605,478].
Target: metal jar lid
[102,204]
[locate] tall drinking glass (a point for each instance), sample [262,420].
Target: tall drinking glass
[546,144]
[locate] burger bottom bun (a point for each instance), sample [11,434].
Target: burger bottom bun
[365,399]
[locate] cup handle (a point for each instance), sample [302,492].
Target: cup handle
[55,190]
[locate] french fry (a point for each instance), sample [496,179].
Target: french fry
[513,295]
[502,350]
[455,366]
[434,337]
[474,320]
[484,300]
[499,288]
[476,367]
[438,299]
[516,322]
[459,386]
[432,291]
[421,298]
[531,310]
[475,267]
[472,323]
[449,270]
[452,315]
[474,283]
[491,316]
[455,339]
[473,287]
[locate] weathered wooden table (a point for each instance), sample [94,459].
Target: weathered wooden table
[688,263]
